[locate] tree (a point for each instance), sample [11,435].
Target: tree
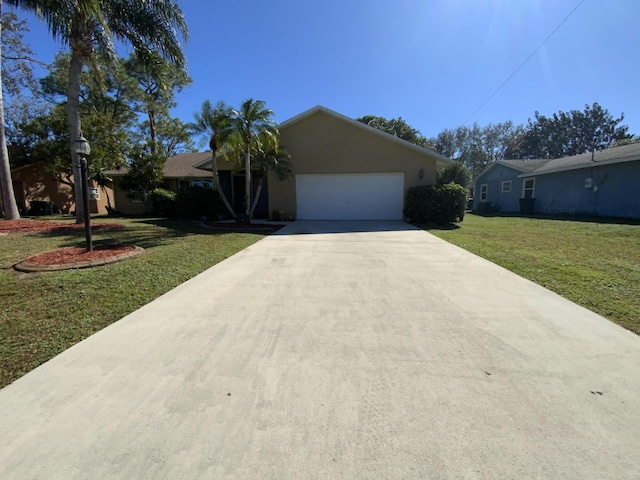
[569,133]
[454,173]
[397,127]
[253,122]
[217,124]
[100,177]
[144,174]
[16,75]
[476,147]
[270,157]
[157,81]
[90,26]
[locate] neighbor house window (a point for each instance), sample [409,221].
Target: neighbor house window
[201,183]
[506,186]
[528,187]
[483,192]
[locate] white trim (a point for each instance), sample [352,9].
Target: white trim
[533,188]
[504,184]
[486,192]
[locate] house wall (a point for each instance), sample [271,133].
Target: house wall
[33,183]
[615,191]
[503,202]
[123,204]
[322,143]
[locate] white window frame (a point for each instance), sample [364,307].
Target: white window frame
[533,187]
[484,194]
[506,186]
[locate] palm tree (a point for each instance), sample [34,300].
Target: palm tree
[90,26]
[253,123]
[100,178]
[270,157]
[9,205]
[216,122]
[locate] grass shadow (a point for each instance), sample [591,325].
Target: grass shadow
[562,218]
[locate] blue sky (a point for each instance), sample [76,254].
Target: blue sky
[430,62]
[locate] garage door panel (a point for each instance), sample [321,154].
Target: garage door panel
[350,196]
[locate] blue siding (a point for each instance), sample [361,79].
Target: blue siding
[503,202]
[615,191]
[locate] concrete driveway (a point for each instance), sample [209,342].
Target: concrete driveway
[337,350]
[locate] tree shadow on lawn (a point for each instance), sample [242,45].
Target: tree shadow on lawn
[435,226]
[563,218]
[144,235]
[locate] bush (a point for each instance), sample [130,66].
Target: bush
[196,202]
[162,202]
[442,204]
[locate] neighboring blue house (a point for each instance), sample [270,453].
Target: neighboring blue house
[605,183]
[500,187]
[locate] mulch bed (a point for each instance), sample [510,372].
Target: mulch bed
[78,257]
[78,254]
[49,226]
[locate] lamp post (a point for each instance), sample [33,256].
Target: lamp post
[83,149]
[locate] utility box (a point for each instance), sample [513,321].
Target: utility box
[94,194]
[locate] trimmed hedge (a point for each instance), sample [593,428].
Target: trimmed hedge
[441,204]
[196,202]
[162,202]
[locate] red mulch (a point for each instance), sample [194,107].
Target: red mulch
[77,254]
[39,226]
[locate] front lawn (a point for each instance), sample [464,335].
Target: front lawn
[593,263]
[44,314]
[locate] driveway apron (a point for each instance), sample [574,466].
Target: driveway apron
[337,350]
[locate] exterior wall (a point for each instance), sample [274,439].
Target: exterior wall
[123,203]
[324,144]
[33,183]
[614,192]
[493,178]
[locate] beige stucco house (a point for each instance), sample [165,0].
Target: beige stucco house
[33,183]
[344,170]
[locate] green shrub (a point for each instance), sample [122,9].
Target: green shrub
[196,202]
[442,204]
[162,202]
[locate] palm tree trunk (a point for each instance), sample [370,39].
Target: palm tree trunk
[258,192]
[6,184]
[247,181]
[216,185]
[106,194]
[75,127]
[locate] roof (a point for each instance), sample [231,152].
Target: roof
[608,156]
[442,161]
[179,166]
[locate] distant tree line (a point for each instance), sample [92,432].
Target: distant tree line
[562,134]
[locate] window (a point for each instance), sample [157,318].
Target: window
[483,192]
[201,183]
[528,187]
[506,186]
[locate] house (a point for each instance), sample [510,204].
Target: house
[500,187]
[32,183]
[603,183]
[178,171]
[344,170]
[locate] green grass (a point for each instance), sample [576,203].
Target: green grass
[44,314]
[593,263]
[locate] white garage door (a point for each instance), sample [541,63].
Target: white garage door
[373,196]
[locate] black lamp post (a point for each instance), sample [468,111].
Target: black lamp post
[83,149]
